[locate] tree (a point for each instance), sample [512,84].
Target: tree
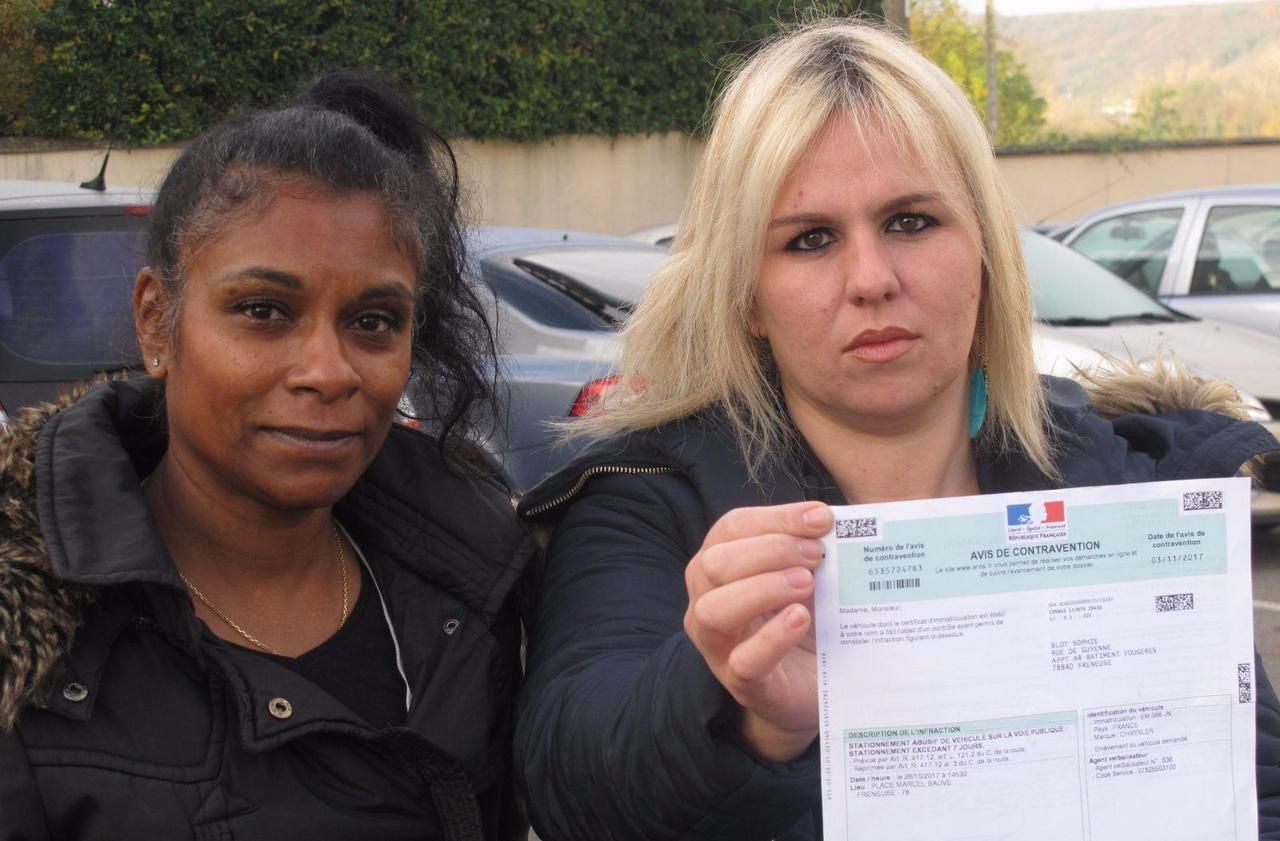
[19,56]
[941,30]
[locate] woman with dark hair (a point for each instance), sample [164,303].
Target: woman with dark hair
[236,600]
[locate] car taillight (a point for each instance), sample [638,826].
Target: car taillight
[590,395]
[136,210]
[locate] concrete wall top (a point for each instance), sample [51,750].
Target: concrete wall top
[617,184]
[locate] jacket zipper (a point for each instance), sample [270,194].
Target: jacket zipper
[594,470]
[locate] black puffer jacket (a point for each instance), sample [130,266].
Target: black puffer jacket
[624,733]
[148,726]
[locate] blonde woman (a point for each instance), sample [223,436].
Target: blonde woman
[845,318]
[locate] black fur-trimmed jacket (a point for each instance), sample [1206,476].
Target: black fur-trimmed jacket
[624,733]
[122,716]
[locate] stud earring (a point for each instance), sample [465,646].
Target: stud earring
[155,362]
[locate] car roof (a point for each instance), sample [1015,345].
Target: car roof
[1203,192]
[490,240]
[40,195]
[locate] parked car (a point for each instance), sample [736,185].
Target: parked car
[1214,253]
[561,292]
[68,257]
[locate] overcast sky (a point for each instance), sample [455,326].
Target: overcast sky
[1035,7]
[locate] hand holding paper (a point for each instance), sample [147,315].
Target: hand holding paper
[749,587]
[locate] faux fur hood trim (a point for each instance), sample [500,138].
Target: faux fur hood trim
[39,612]
[1123,387]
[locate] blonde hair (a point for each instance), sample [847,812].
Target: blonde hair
[688,346]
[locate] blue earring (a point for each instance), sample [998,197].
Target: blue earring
[978,382]
[977,401]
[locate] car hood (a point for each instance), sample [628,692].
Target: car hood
[1245,358]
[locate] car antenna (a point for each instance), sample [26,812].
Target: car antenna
[99,182]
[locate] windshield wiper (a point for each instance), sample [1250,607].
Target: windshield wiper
[607,307]
[1144,318]
[1075,321]
[1081,321]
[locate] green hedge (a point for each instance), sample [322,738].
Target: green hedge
[153,71]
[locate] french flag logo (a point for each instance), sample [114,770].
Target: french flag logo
[1037,513]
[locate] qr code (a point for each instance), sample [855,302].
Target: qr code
[1244,682]
[859,527]
[1202,501]
[1175,601]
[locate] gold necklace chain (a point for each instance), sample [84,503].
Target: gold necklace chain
[346,604]
[346,601]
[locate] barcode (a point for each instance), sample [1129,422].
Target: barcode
[1175,601]
[895,584]
[1202,501]
[859,527]
[1244,682]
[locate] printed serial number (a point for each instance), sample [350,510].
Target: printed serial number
[895,570]
[1185,557]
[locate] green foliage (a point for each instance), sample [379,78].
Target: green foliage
[941,30]
[19,57]
[152,71]
[1158,118]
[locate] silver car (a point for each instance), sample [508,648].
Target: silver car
[1214,253]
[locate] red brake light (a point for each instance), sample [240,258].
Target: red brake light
[591,394]
[136,210]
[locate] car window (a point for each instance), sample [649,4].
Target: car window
[65,289]
[1134,246]
[1239,251]
[1067,288]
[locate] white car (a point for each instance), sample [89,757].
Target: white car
[1214,253]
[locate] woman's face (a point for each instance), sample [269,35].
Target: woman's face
[293,346]
[869,287]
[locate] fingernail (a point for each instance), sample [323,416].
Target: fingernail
[811,549]
[819,515]
[798,579]
[795,616]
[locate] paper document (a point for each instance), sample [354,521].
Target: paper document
[1074,664]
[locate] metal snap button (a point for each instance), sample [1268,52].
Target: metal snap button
[75,692]
[280,708]
[451,625]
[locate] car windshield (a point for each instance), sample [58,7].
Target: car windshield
[1068,288]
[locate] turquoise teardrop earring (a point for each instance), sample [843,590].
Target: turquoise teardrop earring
[978,383]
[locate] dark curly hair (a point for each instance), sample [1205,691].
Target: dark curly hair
[350,134]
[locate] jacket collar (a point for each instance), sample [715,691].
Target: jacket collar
[98,529]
